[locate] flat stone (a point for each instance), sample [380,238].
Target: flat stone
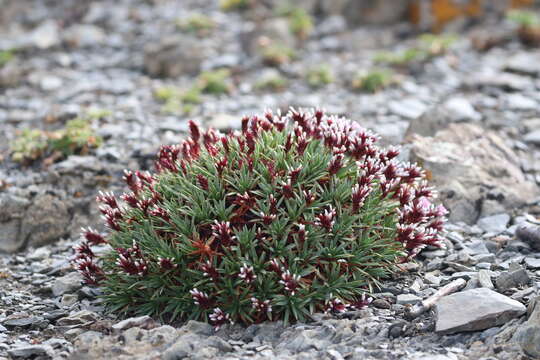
[532,137]
[475,309]
[525,62]
[484,279]
[494,223]
[530,234]
[528,335]
[502,80]
[145,322]
[68,300]
[82,317]
[22,321]
[433,279]
[67,284]
[461,109]
[521,102]
[532,263]
[408,108]
[31,351]
[406,299]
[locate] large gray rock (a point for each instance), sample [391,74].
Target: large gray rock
[528,335]
[438,117]
[525,63]
[530,234]
[476,173]
[475,309]
[84,35]
[45,221]
[12,209]
[67,284]
[494,223]
[271,32]
[174,56]
[512,279]
[31,352]
[11,74]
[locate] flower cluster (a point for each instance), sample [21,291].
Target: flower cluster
[291,214]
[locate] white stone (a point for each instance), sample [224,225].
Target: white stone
[475,309]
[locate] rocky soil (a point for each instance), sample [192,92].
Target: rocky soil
[470,115]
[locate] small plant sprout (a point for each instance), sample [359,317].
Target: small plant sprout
[276,54]
[428,46]
[215,82]
[6,56]
[524,18]
[400,58]
[177,101]
[372,81]
[290,215]
[300,21]
[272,81]
[436,45]
[77,137]
[529,26]
[29,145]
[234,5]
[197,23]
[319,76]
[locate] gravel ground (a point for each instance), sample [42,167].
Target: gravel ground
[471,115]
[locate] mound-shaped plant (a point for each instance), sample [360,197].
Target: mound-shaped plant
[289,216]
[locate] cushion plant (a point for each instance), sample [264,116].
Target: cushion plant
[293,214]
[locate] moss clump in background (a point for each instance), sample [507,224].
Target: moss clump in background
[77,137]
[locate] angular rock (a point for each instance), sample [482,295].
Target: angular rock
[512,279]
[494,223]
[525,63]
[10,74]
[532,137]
[528,335]
[410,108]
[12,209]
[407,299]
[22,321]
[520,102]
[438,117]
[31,352]
[502,80]
[80,318]
[174,56]
[484,279]
[475,309]
[45,221]
[83,35]
[530,234]
[67,284]
[45,35]
[271,32]
[198,327]
[472,168]
[145,322]
[532,263]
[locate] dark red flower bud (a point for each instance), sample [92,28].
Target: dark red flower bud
[92,236]
[203,182]
[194,131]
